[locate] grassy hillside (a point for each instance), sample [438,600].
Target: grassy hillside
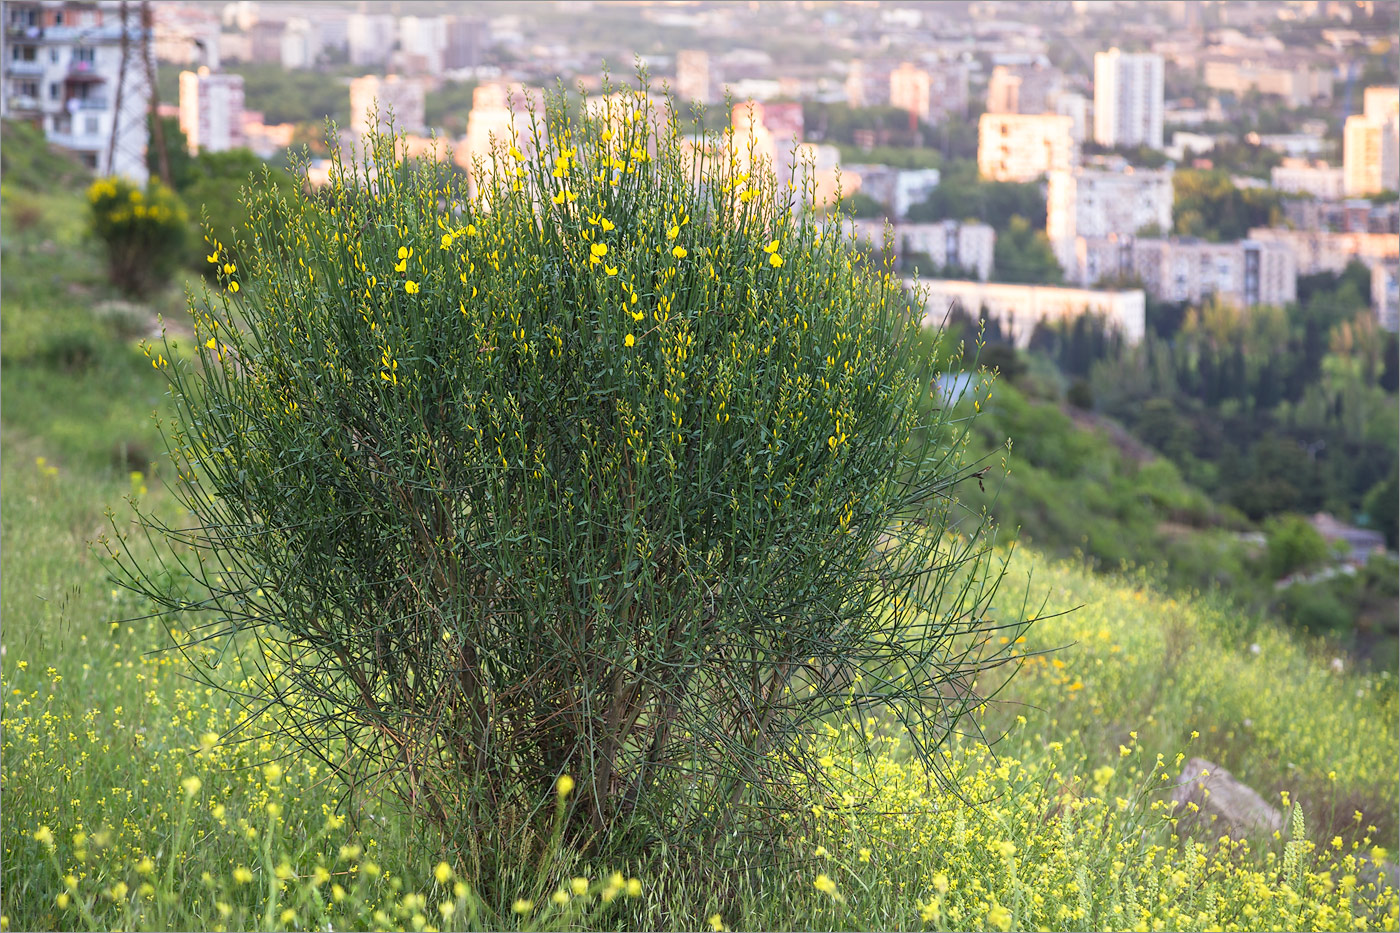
[134,797]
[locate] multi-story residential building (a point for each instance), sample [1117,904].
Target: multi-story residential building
[1351,215]
[1023,89]
[910,88]
[1297,82]
[1023,147]
[897,189]
[1385,294]
[211,110]
[1095,203]
[1320,251]
[693,76]
[422,42]
[402,96]
[63,64]
[1128,99]
[1371,144]
[1246,273]
[868,83]
[186,34]
[948,95]
[370,38]
[1018,309]
[1299,176]
[935,248]
[465,43]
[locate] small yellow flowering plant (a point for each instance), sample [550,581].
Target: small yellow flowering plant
[144,232]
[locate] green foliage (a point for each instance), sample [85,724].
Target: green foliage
[1023,254]
[1382,503]
[144,232]
[1208,205]
[447,107]
[962,195]
[218,185]
[28,162]
[863,206]
[1293,545]
[624,478]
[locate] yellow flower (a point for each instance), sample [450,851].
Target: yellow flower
[233,286]
[678,252]
[559,898]
[191,785]
[716,923]
[579,886]
[44,835]
[634,887]
[607,224]
[771,247]
[629,340]
[673,233]
[564,786]
[610,270]
[824,884]
[443,873]
[999,918]
[242,875]
[145,866]
[775,260]
[522,906]
[411,287]
[272,773]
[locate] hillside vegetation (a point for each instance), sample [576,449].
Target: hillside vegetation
[136,798]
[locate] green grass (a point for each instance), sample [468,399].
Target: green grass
[136,798]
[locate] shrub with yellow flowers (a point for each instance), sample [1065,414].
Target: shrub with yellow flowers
[144,232]
[613,465]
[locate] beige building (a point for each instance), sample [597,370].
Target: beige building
[1095,203]
[500,115]
[1322,251]
[396,95]
[1019,308]
[1299,176]
[910,88]
[1023,147]
[1299,85]
[1245,273]
[1371,144]
[1385,294]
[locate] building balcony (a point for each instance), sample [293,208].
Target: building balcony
[76,104]
[19,103]
[79,142]
[17,67]
[87,35]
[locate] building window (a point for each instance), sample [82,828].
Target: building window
[23,53]
[58,18]
[83,53]
[53,55]
[91,126]
[54,90]
[27,88]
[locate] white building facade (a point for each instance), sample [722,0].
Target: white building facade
[63,65]
[1128,99]
[1090,202]
[211,110]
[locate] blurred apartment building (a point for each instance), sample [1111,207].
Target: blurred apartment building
[1022,147]
[1099,202]
[64,64]
[1371,144]
[375,101]
[211,110]
[1128,99]
[1244,273]
[929,91]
